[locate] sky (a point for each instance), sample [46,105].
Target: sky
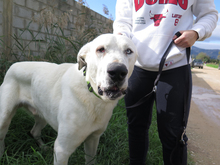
[212,42]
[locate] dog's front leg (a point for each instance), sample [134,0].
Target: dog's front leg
[61,154]
[65,144]
[90,147]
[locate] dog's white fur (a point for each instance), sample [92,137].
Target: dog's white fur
[58,95]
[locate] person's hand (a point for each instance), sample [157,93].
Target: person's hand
[187,39]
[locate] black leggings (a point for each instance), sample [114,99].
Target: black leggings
[170,107]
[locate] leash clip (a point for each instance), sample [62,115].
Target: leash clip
[182,140]
[155,89]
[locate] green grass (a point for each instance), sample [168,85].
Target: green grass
[21,148]
[212,65]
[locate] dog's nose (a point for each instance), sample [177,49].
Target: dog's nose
[117,71]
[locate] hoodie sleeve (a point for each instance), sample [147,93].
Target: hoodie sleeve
[123,21]
[206,18]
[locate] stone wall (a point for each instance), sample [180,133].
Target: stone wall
[18,15]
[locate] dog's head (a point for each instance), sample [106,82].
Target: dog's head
[110,61]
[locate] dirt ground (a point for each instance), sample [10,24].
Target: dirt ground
[203,128]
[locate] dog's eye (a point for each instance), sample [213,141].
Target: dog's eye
[128,51]
[101,50]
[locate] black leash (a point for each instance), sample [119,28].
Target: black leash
[181,144]
[182,141]
[186,97]
[162,61]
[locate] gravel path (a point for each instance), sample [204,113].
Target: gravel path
[204,121]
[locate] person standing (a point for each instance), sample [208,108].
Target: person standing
[152,24]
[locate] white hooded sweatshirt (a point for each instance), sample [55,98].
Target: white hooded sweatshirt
[151,24]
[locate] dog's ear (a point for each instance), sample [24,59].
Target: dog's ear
[82,55]
[81,63]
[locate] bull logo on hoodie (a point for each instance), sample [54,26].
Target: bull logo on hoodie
[157,18]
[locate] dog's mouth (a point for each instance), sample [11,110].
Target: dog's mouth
[112,92]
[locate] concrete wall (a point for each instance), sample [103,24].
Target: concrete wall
[23,11]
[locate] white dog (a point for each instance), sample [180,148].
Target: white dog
[77,100]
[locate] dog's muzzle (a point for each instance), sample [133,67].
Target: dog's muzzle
[117,73]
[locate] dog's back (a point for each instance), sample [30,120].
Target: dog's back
[26,71]
[21,76]
[26,81]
